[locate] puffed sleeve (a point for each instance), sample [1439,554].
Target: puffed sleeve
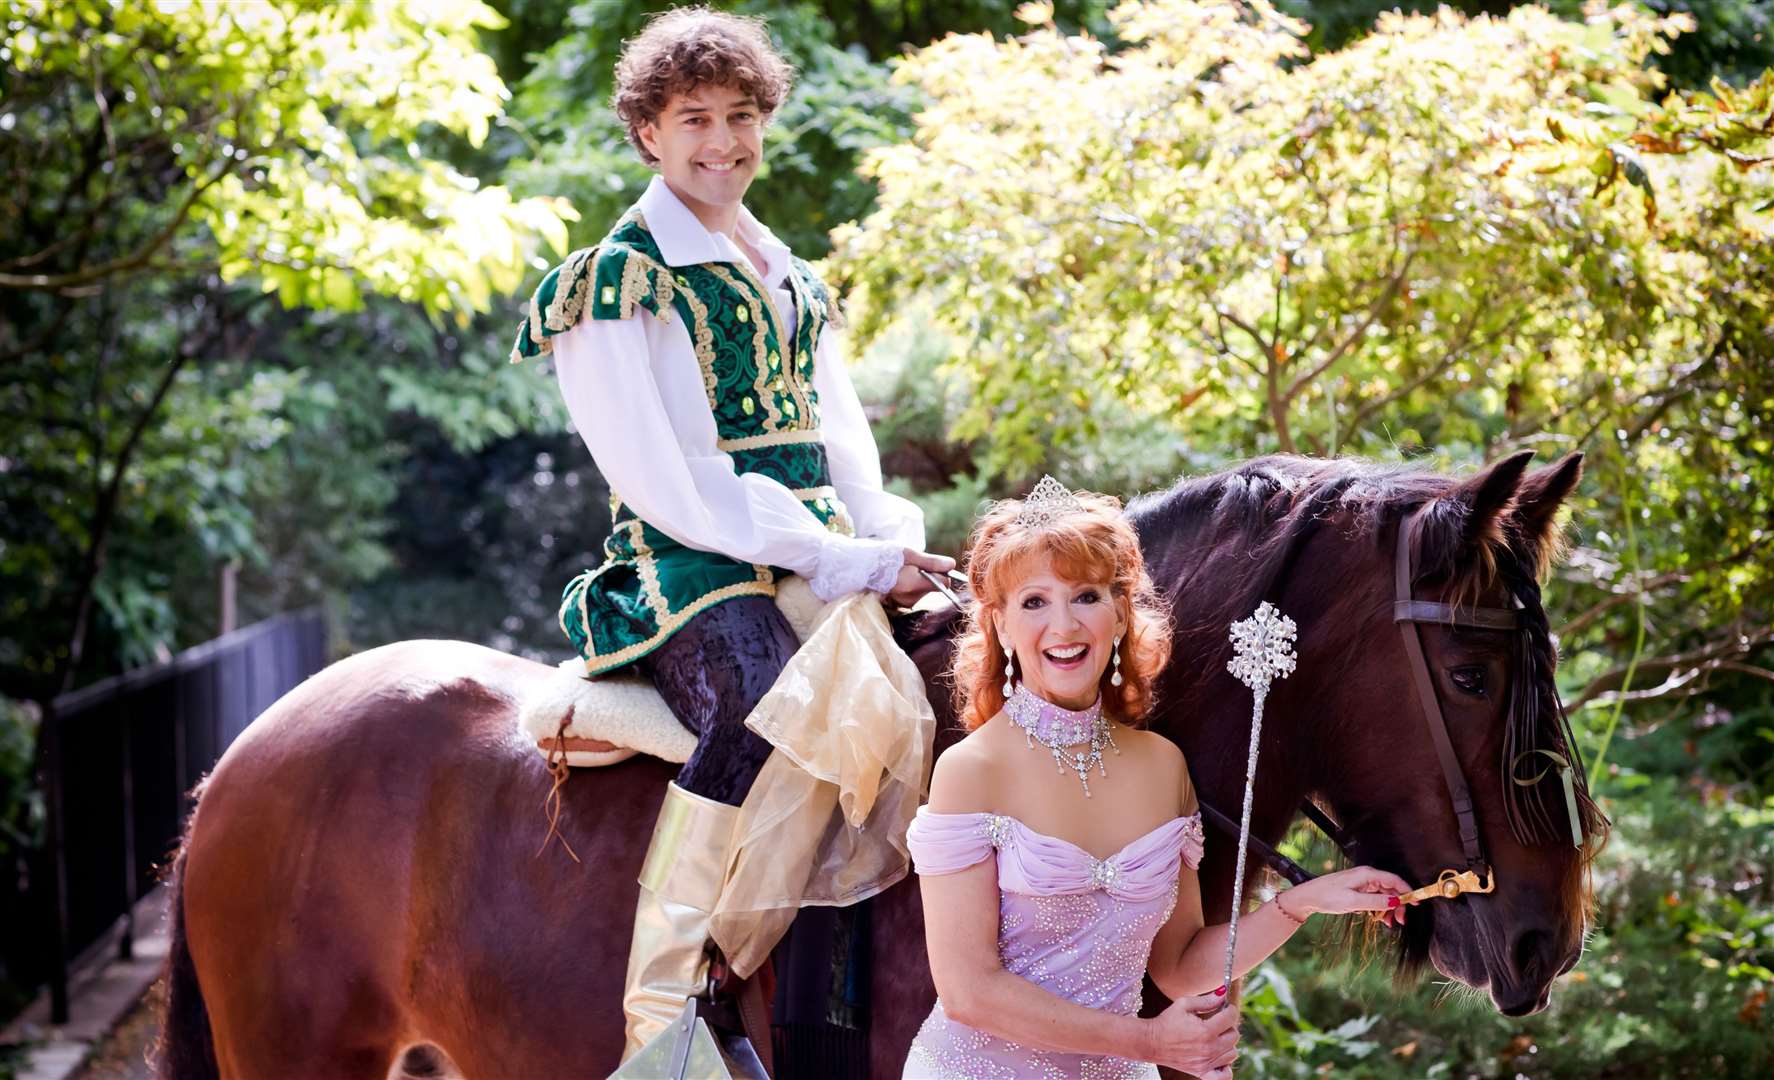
[855,460]
[665,465]
[948,843]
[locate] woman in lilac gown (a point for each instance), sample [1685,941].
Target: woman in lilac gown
[1057,853]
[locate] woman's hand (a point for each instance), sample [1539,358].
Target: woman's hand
[1186,1037]
[911,584]
[1360,888]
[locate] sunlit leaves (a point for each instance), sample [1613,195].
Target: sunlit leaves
[296,128]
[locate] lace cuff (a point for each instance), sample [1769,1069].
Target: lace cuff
[854,565]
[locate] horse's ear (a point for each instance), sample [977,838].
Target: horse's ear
[1486,495]
[1537,501]
[1467,522]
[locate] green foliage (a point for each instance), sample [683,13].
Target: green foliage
[172,169]
[1452,236]
[1674,981]
[286,131]
[1731,39]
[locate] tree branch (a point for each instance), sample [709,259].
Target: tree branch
[138,258]
[1681,683]
[1683,666]
[1374,308]
[1675,577]
[103,516]
[1453,356]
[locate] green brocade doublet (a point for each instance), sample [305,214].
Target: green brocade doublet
[760,388]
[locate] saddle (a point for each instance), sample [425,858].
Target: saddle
[594,722]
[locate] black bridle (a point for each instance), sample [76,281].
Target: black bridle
[1409,613]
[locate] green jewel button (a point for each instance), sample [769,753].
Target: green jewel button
[746,404]
[609,294]
[742,313]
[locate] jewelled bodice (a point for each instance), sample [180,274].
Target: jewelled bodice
[1075,925]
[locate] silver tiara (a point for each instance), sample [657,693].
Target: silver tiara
[1049,500]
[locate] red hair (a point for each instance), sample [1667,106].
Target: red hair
[1095,544]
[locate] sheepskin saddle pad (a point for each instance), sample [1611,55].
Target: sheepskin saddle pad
[589,722]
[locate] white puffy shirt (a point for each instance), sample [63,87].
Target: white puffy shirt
[636,395]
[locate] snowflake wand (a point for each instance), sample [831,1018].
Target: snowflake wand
[1262,651]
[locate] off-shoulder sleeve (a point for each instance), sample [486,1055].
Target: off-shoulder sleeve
[949,843]
[1193,840]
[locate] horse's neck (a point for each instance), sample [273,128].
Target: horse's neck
[1207,713]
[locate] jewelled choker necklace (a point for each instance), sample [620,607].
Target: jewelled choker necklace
[1055,728]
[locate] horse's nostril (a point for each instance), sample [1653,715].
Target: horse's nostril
[1528,950]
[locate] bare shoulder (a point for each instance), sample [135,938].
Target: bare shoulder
[966,777]
[1168,763]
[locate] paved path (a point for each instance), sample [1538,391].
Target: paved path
[106,1017]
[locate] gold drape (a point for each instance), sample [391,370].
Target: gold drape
[825,822]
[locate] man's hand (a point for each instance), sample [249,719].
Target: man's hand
[910,585]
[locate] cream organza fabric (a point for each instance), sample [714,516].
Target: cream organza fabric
[825,822]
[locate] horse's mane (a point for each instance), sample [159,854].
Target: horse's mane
[1267,509]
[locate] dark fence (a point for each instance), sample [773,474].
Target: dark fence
[121,758]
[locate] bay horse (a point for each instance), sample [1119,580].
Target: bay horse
[361,894]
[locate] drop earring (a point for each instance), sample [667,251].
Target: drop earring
[1115,679]
[1009,671]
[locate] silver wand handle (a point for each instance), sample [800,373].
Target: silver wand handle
[1262,651]
[1250,776]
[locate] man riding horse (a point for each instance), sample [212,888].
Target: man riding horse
[695,356]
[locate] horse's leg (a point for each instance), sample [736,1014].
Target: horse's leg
[900,988]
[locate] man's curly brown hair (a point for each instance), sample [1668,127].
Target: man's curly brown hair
[687,48]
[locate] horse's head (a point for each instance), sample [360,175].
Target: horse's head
[1481,543]
[1350,729]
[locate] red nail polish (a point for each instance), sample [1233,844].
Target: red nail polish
[1221,992]
[1392,901]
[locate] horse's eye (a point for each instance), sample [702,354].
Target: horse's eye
[1469,680]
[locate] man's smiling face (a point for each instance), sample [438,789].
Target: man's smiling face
[709,143]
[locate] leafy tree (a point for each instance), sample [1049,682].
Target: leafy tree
[1730,39]
[170,170]
[1453,234]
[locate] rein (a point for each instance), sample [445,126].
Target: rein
[1408,613]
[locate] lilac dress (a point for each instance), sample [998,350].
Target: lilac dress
[1073,925]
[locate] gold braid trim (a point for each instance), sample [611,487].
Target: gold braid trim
[810,309]
[663,289]
[572,286]
[648,567]
[760,347]
[769,438]
[702,339]
[634,283]
[765,585]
